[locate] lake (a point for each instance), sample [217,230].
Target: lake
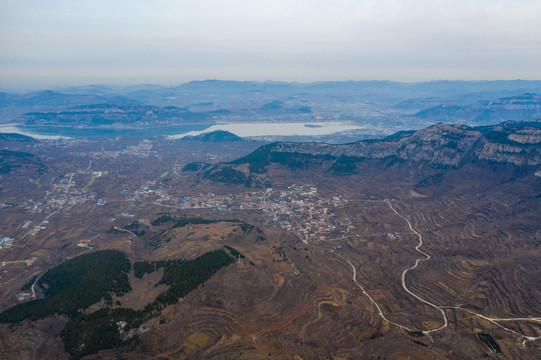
[278,129]
[179,131]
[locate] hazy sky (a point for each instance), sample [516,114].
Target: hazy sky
[169,42]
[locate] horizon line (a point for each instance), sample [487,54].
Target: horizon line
[30,88]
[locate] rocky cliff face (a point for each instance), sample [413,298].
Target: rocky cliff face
[441,145]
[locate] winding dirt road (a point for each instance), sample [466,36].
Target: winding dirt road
[441,308]
[427,257]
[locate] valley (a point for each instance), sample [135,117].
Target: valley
[270,180]
[406,247]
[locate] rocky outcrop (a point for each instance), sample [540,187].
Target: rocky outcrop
[441,145]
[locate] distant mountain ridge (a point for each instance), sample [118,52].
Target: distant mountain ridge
[16,137]
[111,114]
[384,105]
[13,105]
[440,145]
[523,107]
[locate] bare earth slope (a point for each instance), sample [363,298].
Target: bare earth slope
[424,245]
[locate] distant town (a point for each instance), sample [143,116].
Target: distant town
[299,209]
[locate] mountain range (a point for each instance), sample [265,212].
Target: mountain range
[112,115]
[438,146]
[381,107]
[521,107]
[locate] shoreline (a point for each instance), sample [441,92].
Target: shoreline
[258,129]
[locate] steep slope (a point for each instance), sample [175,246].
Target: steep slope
[19,161]
[8,137]
[441,145]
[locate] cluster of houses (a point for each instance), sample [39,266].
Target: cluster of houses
[143,150]
[299,208]
[6,242]
[309,216]
[38,228]
[84,243]
[64,195]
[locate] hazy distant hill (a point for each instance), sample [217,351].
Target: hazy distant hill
[279,106]
[338,96]
[112,114]
[214,137]
[385,106]
[16,137]
[517,108]
[13,105]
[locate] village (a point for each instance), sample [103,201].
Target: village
[65,195]
[143,150]
[298,209]
[62,195]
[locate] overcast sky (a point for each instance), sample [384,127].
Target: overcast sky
[45,42]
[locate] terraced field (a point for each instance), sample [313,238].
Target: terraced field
[286,303]
[422,272]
